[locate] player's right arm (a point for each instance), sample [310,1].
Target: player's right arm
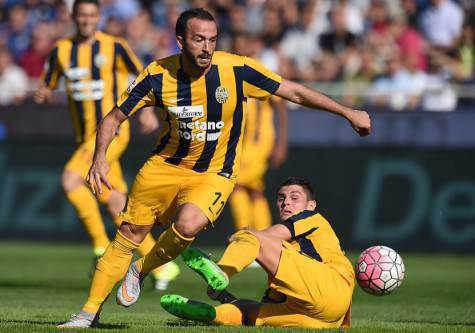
[49,78]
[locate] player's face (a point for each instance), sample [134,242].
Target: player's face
[87,19]
[293,199]
[200,43]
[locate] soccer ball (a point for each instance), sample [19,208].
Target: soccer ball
[379,270]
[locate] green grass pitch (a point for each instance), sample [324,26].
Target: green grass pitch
[42,285]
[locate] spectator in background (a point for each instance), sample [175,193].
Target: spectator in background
[360,81]
[339,48]
[395,89]
[439,94]
[409,41]
[303,38]
[442,24]
[33,60]
[13,80]
[17,32]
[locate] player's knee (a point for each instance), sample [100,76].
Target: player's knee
[70,181]
[190,220]
[135,233]
[246,234]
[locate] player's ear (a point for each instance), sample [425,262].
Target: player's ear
[311,205]
[179,41]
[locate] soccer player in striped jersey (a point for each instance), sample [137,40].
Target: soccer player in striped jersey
[96,68]
[186,183]
[310,280]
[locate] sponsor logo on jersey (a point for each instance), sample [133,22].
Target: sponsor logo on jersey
[207,130]
[190,111]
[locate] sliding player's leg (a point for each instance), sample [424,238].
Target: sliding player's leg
[238,313]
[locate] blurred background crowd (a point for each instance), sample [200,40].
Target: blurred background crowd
[398,54]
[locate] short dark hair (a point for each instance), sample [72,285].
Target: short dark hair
[78,2]
[300,181]
[199,13]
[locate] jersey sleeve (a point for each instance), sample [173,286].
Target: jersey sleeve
[52,71]
[130,62]
[258,81]
[300,224]
[139,94]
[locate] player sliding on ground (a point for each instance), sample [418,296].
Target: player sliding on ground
[188,180]
[310,279]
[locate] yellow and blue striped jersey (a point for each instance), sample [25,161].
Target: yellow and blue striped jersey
[205,115]
[95,75]
[313,236]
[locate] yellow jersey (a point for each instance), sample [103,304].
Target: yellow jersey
[313,236]
[95,75]
[205,115]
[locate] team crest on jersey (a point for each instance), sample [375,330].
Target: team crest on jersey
[99,60]
[221,94]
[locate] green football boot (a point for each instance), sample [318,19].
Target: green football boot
[185,308]
[204,266]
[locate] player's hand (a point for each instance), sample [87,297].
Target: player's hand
[148,121]
[97,175]
[360,121]
[42,95]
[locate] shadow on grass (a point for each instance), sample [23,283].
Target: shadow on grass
[435,322]
[41,285]
[186,323]
[54,323]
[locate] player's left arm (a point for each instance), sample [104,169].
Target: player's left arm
[298,93]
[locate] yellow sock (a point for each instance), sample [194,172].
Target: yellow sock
[241,252]
[169,245]
[261,216]
[110,269]
[145,248]
[88,212]
[241,208]
[228,314]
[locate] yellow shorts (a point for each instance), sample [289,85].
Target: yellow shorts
[160,188]
[317,295]
[81,161]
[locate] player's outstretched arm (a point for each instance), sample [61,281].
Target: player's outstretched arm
[298,93]
[105,134]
